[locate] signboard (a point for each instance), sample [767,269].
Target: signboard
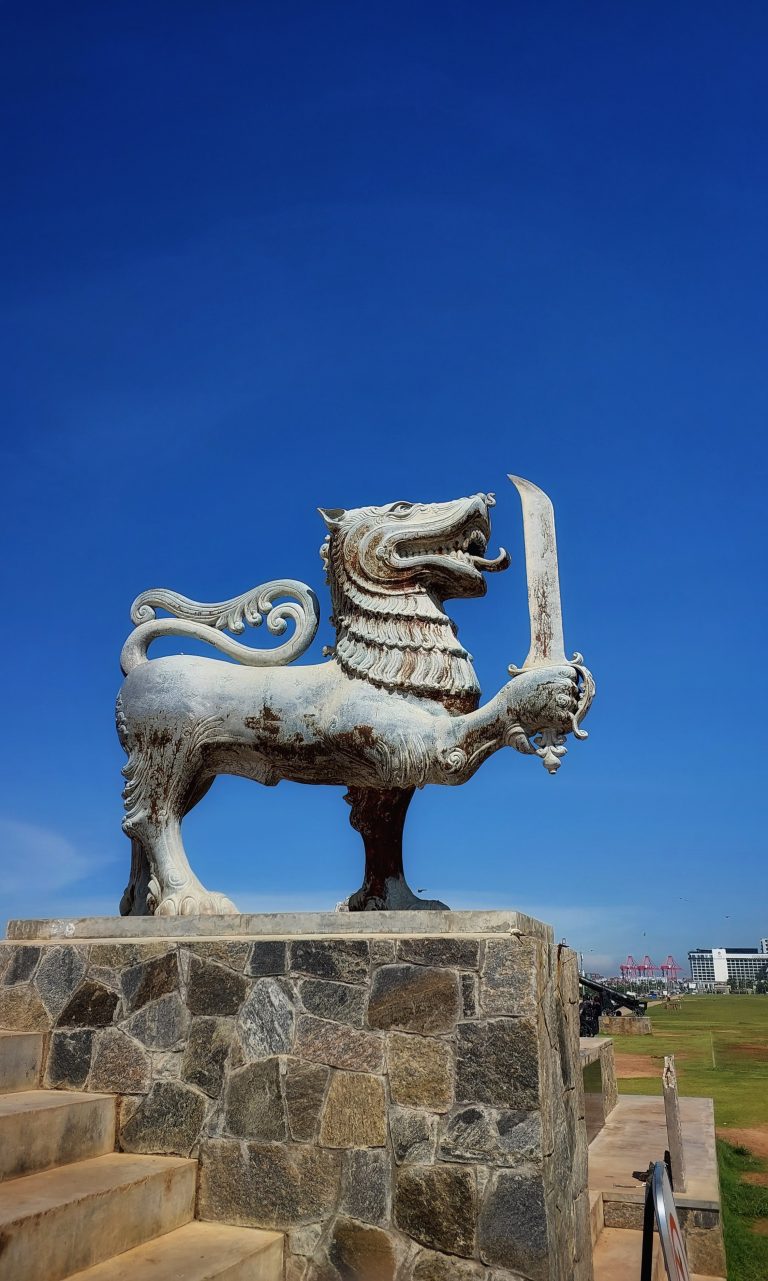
[660,1205]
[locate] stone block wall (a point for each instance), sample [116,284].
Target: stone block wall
[608,1077]
[405,1108]
[601,1090]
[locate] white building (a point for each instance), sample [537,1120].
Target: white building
[713,966]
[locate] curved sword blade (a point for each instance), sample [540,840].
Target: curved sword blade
[544,609]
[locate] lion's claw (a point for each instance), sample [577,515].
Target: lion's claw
[195,902]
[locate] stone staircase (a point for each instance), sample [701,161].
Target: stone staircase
[617,1252]
[72,1207]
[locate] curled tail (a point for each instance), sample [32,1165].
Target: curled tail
[197,621]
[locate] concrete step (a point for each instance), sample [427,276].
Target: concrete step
[596,1217]
[43,1128]
[197,1252]
[20,1057]
[60,1221]
[618,1255]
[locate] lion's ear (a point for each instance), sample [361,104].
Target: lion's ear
[332,516]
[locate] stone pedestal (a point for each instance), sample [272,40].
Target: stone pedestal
[399,1092]
[625,1025]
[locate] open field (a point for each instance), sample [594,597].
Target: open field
[720,1045]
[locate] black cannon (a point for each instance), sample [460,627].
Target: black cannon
[598,999]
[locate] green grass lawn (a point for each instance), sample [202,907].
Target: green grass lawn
[720,1044]
[743,1203]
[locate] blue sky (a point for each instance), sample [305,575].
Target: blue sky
[260,258]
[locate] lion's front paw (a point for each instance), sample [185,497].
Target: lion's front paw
[546,698]
[195,901]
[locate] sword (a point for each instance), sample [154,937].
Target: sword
[546,617]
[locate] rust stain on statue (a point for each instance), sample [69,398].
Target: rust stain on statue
[395,706]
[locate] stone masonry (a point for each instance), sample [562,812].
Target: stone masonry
[625,1025]
[405,1107]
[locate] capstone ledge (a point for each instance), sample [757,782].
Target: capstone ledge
[281,925]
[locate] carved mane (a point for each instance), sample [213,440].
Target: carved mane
[397,639]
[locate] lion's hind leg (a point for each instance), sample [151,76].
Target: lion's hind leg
[136,900]
[173,888]
[164,779]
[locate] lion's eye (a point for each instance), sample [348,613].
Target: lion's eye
[401,509]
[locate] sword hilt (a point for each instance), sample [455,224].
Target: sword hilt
[549,743]
[586,695]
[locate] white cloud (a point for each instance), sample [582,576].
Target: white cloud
[37,859]
[42,872]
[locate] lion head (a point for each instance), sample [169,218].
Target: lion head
[389,570]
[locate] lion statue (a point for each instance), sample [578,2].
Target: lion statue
[394,706]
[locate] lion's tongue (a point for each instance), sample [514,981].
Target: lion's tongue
[492,566]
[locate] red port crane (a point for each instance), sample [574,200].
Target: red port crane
[670,969]
[646,968]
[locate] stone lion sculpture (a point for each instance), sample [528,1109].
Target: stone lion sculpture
[394,706]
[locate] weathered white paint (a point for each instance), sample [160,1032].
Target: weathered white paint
[394,706]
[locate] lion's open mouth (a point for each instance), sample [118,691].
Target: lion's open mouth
[443,545]
[467,549]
